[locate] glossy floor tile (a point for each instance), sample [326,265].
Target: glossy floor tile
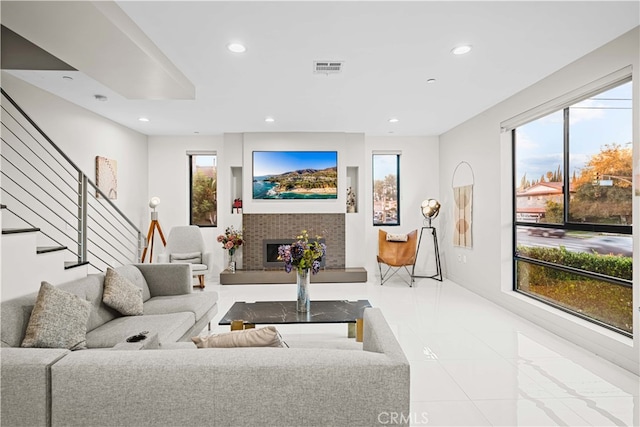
[472,362]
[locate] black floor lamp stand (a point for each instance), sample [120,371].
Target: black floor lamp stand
[438,275]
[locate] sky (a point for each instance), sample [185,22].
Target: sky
[384,164]
[605,118]
[278,162]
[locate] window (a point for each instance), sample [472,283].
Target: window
[386,189]
[573,207]
[203,200]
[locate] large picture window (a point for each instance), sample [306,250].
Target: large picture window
[203,200]
[573,207]
[386,189]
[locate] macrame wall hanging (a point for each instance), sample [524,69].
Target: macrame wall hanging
[463,208]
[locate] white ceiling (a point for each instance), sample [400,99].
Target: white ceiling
[390,49]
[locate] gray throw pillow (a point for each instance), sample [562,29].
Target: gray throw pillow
[121,294]
[261,337]
[189,257]
[58,320]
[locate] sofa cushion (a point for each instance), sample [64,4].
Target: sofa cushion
[260,337]
[90,288]
[58,320]
[188,257]
[120,294]
[199,303]
[132,273]
[169,327]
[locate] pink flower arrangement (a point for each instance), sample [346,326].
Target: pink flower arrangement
[231,239]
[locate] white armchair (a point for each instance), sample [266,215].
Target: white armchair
[186,245]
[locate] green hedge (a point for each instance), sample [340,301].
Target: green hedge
[610,265]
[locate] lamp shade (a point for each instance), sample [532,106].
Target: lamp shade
[154,202]
[430,208]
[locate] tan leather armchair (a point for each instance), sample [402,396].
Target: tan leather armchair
[396,253]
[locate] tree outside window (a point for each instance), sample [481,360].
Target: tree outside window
[203,175]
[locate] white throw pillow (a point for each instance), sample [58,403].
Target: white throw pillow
[261,337]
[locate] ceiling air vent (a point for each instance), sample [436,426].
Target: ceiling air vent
[327,67]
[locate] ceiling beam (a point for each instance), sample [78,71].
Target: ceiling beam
[100,40]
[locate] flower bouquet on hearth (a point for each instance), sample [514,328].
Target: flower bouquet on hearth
[231,240]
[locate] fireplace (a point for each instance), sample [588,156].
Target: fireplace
[282,228]
[270,252]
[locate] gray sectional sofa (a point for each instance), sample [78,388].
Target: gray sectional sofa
[178,384]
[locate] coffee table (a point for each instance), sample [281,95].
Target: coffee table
[245,315]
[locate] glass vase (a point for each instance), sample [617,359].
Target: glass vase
[303,279]
[232,261]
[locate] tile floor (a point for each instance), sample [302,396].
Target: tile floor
[472,362]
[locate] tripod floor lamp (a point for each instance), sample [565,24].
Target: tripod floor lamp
[430,209]
[155,224]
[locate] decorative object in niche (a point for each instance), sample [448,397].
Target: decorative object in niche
[351,201]
[107,177]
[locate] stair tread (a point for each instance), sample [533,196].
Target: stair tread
[19,230]
[73,264]
[47,249]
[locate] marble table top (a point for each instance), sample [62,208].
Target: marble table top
[280,312]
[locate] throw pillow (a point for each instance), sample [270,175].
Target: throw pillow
[190,257]
[397,237]
[58,320]
[121,294]
[261,337]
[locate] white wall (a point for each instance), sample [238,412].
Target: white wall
[83,135]
[479,142]
[419,180]
[169,180]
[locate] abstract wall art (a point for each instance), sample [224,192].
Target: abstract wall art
[107,177]
[463,198]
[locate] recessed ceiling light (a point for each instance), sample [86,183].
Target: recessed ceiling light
[393,120]
[431,81]
[461,50]
[143,119]
[236,47]
[100,98]
[269,119]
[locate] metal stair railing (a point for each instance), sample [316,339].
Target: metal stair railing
[43,187]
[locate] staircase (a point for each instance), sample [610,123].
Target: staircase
[56,224]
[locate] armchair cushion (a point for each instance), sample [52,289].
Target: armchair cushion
[397,237]
[58,320]
[189,257]
[122,295]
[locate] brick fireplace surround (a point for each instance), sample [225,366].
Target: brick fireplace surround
[257,227]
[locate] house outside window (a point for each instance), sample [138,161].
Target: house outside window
[203,192]
[573,207]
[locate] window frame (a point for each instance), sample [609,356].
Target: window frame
[598,87]
[373,181]
[190,155]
